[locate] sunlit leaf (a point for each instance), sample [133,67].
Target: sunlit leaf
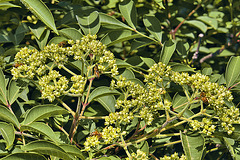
[118,36]
[39,9]
[129,12]
[7,116]
[232,71]
[90,24]
[40,128]
[167,51]
[198,24]
[153,26]
[100,91]
[24,156]
[107,101]
[111,21]
[42,111]
[193,150]
[71,33]
[8,133]
[48,148]
[3,91]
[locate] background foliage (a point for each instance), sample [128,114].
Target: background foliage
[139,82]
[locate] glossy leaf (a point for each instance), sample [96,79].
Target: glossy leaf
[118,36]
[179,67]
[14,91]
[208,20]
[229,143]
[37,29]
[43,39]
[107,20]
[182,48]
[72,150]
[129,12]
[128,74]
[46,147]
[8,133]
[179,103]
[71,33]
[7,116]
[153,26]
[101,91]
[6,5]
[167,51]
[193,150]
[24,156]
[39,9]
[107,101]
[90,24]
[40,128]
[57,40]
[42,111]
[148,61]
[122,64]
[160,3]
[232,71]
[198,24]
[3,91]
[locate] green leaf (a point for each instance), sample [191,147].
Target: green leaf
[118,36]
[232,71]
[100,91]
[193,150]
[207,71]
[178,106]
[38,29]
[57,40]
[182,48]
[7,116]
[6,5]
[122,64]
[153,26]
[3,91]
[129,12]
[160,3]
[128,74]
[24,156]
[198,24]
[148,61]
[71,33]
[72,150]
[8,133]
[14,91]
[40,10]
[90,24]
[229,143]
[179,67]
[208,20]
[107,20]
[167,51]
[43,39]
[107,101]
[42,111]
[40,127]
[48,148]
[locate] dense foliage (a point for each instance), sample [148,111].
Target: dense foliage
[119,79]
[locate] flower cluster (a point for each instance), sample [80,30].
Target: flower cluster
[139,101]
[206,126]
[110,134]
[33,63]
[174,157]
[140,155]
[53,85]
[78,84]
[92,141]
[214,94]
